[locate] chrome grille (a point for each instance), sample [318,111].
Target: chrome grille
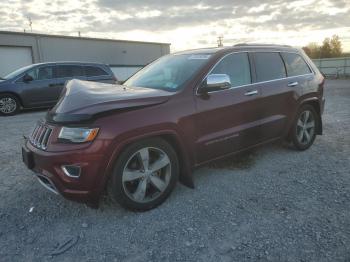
[40,136]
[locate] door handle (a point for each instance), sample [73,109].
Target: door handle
[251,93]
[291,84]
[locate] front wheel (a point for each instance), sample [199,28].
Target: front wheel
[9,105]
[144,175]
[304,128]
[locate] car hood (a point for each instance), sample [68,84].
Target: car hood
[82,100]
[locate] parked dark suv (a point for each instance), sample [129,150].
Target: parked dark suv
[181,111]
[40,85]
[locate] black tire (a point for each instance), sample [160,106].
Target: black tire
[14,102]
[296,130]
[118,190]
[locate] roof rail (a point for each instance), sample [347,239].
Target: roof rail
[253,44]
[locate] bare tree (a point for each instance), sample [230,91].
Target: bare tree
[313,50]
[326,49]
[331,47]
[336,46]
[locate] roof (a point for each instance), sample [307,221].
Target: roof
[200,51]
[260,45]
[240,47]
[78,37]
[69,63]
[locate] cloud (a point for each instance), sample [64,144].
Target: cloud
[274,15]
[183,22]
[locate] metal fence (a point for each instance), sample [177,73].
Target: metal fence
[334,67]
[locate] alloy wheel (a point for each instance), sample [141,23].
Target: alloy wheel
[146,174]
[305,127]
[7,105]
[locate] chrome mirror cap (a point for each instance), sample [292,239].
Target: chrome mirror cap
[216,82]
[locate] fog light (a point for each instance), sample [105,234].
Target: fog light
[71,171]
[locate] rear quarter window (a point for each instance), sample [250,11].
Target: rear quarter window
[295,64]
[269,66]
[94,71]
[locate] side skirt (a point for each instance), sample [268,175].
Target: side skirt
[239,151]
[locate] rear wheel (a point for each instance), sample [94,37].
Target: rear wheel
[144,175]
[304,128]
[9,105]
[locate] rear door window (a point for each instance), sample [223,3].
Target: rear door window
[94,71]
[269,66]
[237,67]
[295,64]
[69,71]
[45,73]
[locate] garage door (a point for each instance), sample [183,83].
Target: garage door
[12,58]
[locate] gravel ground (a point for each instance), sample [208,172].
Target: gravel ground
[272,204]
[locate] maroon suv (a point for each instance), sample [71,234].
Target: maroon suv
[136,140]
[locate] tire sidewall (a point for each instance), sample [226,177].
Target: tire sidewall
[17,104]
[115,184]
[295,140]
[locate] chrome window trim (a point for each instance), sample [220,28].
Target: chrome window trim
[261,82]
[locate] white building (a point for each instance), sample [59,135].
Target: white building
[124,57]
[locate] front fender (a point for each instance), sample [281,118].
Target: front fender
[171,136]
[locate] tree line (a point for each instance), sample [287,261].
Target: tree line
[331,47]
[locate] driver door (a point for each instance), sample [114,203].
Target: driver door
[37,90]
[228,120]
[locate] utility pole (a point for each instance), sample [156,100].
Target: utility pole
[30,23]
[79,33]
[220,41]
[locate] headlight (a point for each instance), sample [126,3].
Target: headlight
[77,134]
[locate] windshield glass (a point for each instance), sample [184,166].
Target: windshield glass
[169,72]
[17,72]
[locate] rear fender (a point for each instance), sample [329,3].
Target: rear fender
[313,101]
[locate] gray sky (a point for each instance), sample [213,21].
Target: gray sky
[185,23]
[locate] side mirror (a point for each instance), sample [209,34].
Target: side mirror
[215,82]
[27,78]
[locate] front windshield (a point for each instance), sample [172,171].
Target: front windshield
[17,72]
[168,72]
